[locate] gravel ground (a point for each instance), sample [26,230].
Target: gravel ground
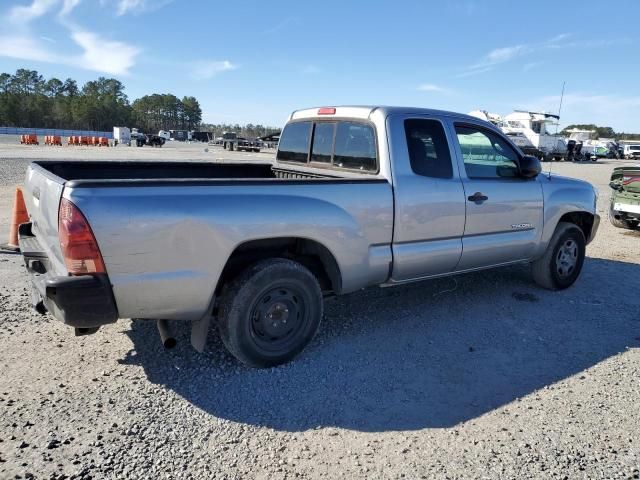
[481,376]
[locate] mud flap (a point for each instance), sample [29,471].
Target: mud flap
[199,332]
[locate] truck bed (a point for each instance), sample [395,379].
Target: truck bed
[80,172]
[166,229]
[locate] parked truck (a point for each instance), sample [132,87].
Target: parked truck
[357,197]
[121,135]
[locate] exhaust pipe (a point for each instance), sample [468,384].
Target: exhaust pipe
[165,337]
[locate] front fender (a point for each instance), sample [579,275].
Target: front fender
[563,196]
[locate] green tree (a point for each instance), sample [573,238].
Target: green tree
[28,100]
[191,113]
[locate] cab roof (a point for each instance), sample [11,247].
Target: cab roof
[365,112]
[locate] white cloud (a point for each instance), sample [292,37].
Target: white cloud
[559,38]
[102,55]
[25,48]
[501,55]
[430,87]
[205,70]
[505,54]
[68,6]
[26,13]
[97,53]
[124,7]
[283,24]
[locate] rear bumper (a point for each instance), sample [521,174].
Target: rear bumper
[84,301]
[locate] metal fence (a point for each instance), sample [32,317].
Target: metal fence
[53,131]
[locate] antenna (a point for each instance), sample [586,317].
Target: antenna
[558,123]
[560,107]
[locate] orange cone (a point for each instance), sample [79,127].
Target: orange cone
[20,215]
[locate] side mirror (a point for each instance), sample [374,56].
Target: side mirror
[530,167]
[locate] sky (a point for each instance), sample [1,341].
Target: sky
[255,61]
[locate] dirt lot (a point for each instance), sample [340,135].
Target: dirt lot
[481,376]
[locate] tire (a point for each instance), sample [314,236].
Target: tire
[562,262]
[256,306]
[620,223]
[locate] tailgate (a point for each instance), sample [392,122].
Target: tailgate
[42,194]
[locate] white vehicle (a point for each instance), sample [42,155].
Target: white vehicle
[631,151]
[590,146]
[533,125]
[122,135]
[526,135]
[164,134]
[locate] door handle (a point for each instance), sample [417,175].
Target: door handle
[478,198]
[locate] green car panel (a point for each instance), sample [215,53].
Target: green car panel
[625,200]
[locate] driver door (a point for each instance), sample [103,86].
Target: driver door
[504,212]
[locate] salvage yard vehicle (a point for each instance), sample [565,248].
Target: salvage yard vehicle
[246,145]
[357,197]
[229,140]
[631,151]
[624,211]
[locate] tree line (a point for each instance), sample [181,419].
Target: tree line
[29,100]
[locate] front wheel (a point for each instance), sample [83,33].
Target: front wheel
[270,312]
[562,262]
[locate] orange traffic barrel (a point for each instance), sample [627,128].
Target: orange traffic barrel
[19,216]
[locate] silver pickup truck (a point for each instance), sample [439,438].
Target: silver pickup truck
[357,196]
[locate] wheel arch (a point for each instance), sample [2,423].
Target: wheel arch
[310,253]
[584,220]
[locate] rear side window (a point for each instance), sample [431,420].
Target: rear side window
[428,148]
[294,142]
[355,147]
[322,147]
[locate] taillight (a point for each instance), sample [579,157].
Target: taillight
[79,248]
[327,111]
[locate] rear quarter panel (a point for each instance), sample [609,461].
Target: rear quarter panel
[165,247]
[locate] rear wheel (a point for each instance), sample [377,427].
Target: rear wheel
[562,262]
[270,312]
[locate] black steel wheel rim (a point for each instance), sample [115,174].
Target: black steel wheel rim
[278,319]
